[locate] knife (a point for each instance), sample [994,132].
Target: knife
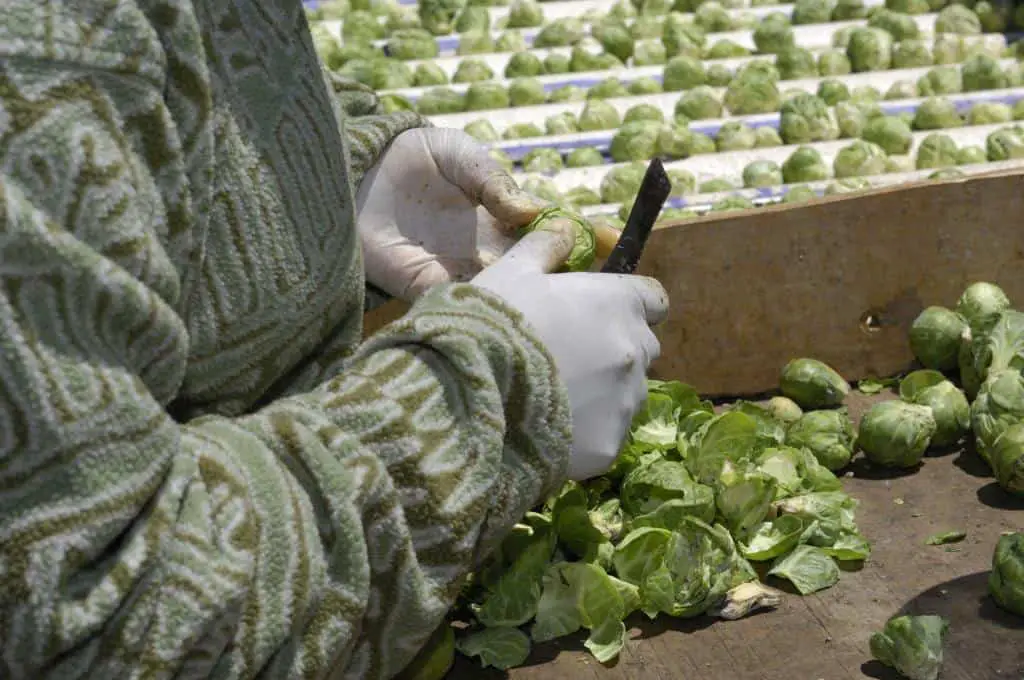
[654,190]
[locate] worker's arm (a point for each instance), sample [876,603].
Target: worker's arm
[329,530]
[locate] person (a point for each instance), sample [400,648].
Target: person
[204,472]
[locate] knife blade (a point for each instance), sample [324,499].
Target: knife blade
[654,191]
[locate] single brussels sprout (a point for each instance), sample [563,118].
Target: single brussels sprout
[731,203]
[607,89]
[762,174]
[522,131]
[766,137]
[557,62]
[646,28]
[502,159]
[794,63]
[599,115]
[719,75]
[948,48]
[621,182]
[870,49]
[649,53]
[847,185]
[989,113]
[940,80]
[806,118]
[560,33]
[867,94]
[713,18]
[428,74]
[674,141]
[545,161]
[672,215]
[735,135]
[440,100]
[833,63]
[524,65]
[401,18]
[567,93]
[681,37]
[683,73]
[913,53]
[759,69]
[699,103]
[361,28]
[890,133]
[784,409]
[726,49]
[716,186]
[543,188]
[846,10]
[683,182]
[635,141]
[970,155]
[388,74]
[645,85]
[998,405]
[1006,581]
[564,123]
[799,195]
[1005,144]
[437,16]
[473,18]
[936,151]
[751,94]
[935,338]
[950,409]
[859,159]
[829,435]
[482,130]
[526,92]
[804,165]
[475,42]
[980,304]
[484,96]
[832,91]
[623,9]
[472,71]
[956,18]
[813,384]
[900,26]
[654,7]
[912,645]
[993,18]
[850,119]
[511,41]
[647,112]
[896,433]
[774,34]
[936,113]
[583,157]
[812,12]
[614,37]
[982,72]
[899,163]
[585,241]
[901,89]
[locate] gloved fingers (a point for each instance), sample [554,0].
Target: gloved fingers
[649,294]
[651,347]
[467,164]
[539,252]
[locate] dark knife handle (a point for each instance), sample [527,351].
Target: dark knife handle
[654,190]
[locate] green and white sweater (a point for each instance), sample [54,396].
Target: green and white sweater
[202,472]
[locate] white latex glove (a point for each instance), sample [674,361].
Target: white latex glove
[436,208]
[597,328]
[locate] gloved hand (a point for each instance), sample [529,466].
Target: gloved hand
[436,208]
[597,328]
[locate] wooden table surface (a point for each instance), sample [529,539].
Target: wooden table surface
[824,636]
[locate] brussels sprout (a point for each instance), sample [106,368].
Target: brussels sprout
[846,10]
[950,409]
[674,141]
[649,53]
[1007,458]
[716,186]
[1006,581]
[647,112]
[813,384]
[441,100]
[607,89]
[683,182]
[327,47]
[901,89]
[909,6]
[388,74]
[948,48]
[698,143]
[522,131]
[1018,110]
[511,41]
[794,63]
[799,195]
[560,33]
[935,338]
[482,130]
[762,174]
[475,42]
[726,49]
[614,37]
[683,73]
[646,29]
[556,63]
[361,28]
[1005,144]
[584,244]
[812,12]
[524,65]
[635,141]
[981,304]
[719,75]
[713,18]
[731,203]
[543,188]
[989,113]
[890,133]
[829,435]
[437,16]
[900,26]
[645,86]
[982,72]
[472,71]
[936,151]
[428,74]
[774,34]
[526,92]
[804,165]
[545,160]
[759,69]
[805,118]
[833,63]
[859,159]
[750,94]
[999,404]
[940,80]
[899,163]
[473,19]
[867,94]
[567,93]
[654,7]
[672,215]
[681,37]
[850,119]
[784,409]
[912,645]
[583,157]
[841,38]
[896,433]
[699,103]
[957,19]
[870,49]
[993,19]
[621,182]
[484,96]
[765,137]
[935,113]
[623,9]
[970,155]
[502,159]
[599,115]
[847,185]
[735,135]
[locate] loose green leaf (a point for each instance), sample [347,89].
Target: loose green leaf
[503,647]
[946,537]
[809,569]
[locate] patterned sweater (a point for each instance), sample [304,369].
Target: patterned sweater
[203,474]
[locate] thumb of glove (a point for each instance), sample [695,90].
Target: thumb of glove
[540,252]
